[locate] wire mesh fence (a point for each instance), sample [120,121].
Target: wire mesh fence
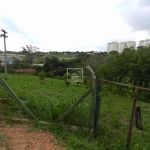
[116,114]
[49,100]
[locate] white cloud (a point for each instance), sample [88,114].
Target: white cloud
[68,24]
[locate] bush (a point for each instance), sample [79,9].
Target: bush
[42,76]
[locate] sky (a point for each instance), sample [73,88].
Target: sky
[73,25]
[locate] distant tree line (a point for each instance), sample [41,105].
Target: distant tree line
[52,66]
[132,66]
[131,63]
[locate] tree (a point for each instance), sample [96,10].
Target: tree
[47,67]
[54,61]
[16,63]
[30,54]
[39,57]
[96,60]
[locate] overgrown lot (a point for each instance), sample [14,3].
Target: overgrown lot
[50,100]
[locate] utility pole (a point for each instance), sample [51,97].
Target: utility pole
[4,35]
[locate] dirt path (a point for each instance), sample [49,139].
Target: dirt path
[23,137]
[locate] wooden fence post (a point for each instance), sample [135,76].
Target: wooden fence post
[132,118]
[97,107]
[93,96]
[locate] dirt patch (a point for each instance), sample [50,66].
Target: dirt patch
[23,137]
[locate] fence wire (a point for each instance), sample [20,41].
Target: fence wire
[116,114]
[48,100]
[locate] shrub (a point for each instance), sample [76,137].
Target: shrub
[42,76]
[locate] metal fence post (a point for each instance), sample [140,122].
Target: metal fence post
[17,99]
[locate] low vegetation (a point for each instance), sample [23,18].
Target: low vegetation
[50,100]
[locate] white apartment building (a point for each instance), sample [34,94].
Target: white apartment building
[144,42]
[113,46]
[127,44]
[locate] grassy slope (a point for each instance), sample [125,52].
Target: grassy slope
[50,100]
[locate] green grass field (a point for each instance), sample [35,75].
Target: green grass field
[50,100]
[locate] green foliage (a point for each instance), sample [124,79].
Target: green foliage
[60,72]
[131,63]
[129,67]
[30,54]
[85,80]
[109,89]
[38,69]
[49,101]
[96,61]
[47,67]
[65,77]
[42,76]
[144,96]
[51,64]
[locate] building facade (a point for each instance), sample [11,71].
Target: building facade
[119,47]
[127,44]
[144,42]
[113,46]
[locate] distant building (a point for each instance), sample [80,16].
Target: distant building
[113,46]
[144,42]
[127,44]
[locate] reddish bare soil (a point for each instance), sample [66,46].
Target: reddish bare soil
[23,137]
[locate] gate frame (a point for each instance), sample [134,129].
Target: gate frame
[137,88]
[95,103]
[16,98]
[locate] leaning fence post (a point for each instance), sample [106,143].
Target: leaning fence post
[131,120]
